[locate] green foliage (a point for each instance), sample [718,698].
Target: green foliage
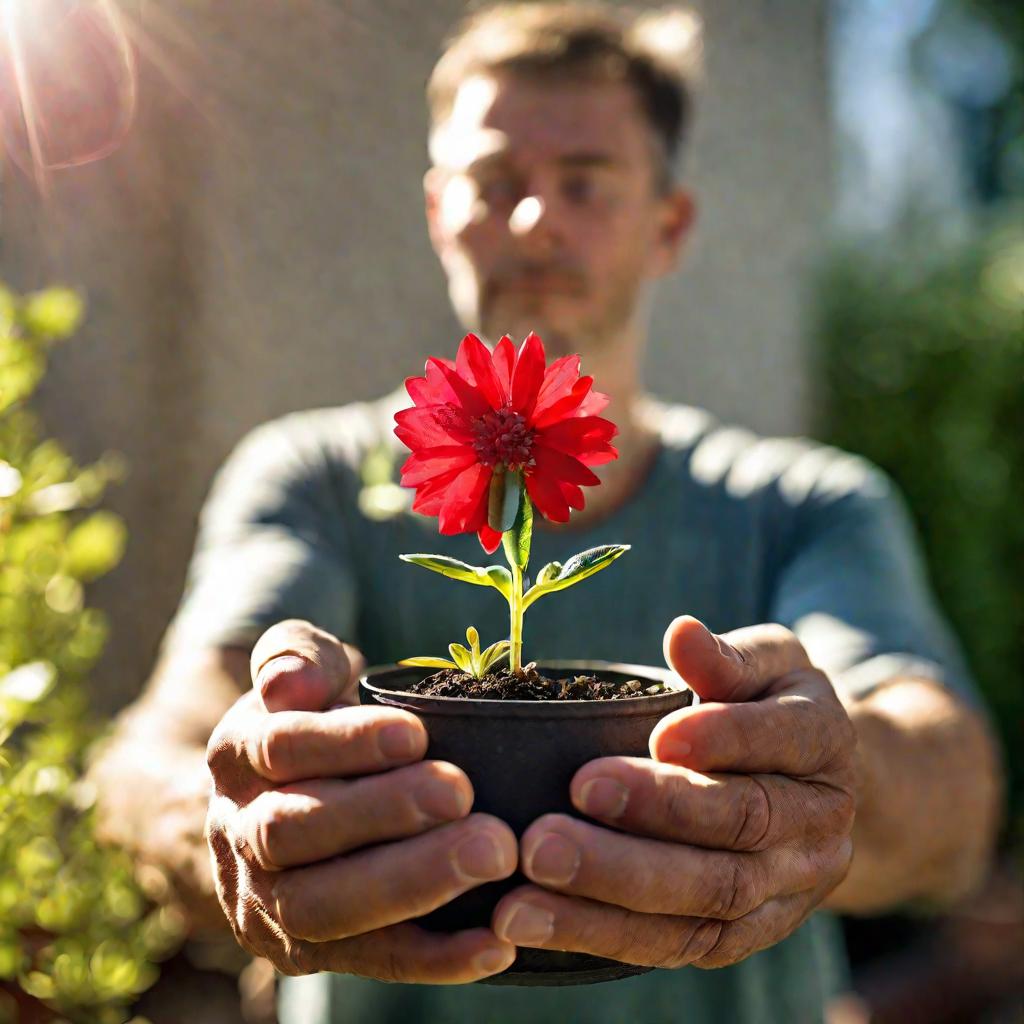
[922,350]
[75,930]
[555,576]
[470,660]
[496,576]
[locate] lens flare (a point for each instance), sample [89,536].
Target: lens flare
[67,82]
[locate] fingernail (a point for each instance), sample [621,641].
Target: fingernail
[604,798]
[555,860]
[491,961]
[480,858]
[282,663]
[673,751]
[526,924]
[441,800]
[397,742]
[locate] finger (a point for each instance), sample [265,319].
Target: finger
[736,666]
[310,821]
[388,884]
[290,746]
[529,916]
[763,927]
[799,730]
[410,954]
[297,666]
[718,812]
[651,876]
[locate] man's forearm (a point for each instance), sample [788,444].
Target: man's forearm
[929,799]
[152,781]
[152,799]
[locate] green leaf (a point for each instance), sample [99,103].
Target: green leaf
[463,658]
[493,654]
[517,540]
[496,576]
[54,313]
[428,663]
[503,499]
[473,639]
[95,546]
[578,568]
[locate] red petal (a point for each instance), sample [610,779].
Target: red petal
[432,426]
[465,507]
[558,382]
[504,359]
[599,456]
[558,466]
[430,496]
[432,388]
[566,406]
[594,403]
[474,355]
[489,539]
[466,395]
[578,435]
[547,497]
[528,375]
[572,494]
[430,462]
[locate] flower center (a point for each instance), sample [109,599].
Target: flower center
[502,436]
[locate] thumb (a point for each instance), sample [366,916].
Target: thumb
[738,666]
[297,666]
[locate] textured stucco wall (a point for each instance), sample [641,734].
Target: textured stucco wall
[258,246]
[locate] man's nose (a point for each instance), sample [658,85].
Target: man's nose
[532,221]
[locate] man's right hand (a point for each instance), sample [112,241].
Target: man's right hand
[329,831]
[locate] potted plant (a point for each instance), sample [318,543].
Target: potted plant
[497,437]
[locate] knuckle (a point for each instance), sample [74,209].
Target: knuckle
[753,818]
[297,958]
[271,830]
[693,944]
[736,893]
[275,749]
[222,752]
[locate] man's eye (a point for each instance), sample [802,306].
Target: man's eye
[499,191]
[581,190]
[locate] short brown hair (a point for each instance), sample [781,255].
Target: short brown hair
[656,52]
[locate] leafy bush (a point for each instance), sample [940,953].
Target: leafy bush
[922,350]
[76,931]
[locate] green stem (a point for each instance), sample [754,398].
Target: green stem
[515,654]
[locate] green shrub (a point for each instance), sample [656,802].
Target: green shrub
[922,361]
[75,929]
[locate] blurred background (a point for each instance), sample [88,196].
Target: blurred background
[236,192]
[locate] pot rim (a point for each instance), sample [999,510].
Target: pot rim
[642,705]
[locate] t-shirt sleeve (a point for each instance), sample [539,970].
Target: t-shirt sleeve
[854,588]
[270,545]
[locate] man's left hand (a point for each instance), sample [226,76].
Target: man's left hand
[725,840]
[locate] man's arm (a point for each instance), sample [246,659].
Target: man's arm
[152,780]
[928,801]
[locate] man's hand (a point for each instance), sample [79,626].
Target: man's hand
[735,831]
[328,831]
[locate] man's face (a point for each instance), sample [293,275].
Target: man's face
[544,209]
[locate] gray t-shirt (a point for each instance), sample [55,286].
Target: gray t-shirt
[727,526]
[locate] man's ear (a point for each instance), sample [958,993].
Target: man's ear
[679,213]
[433,183]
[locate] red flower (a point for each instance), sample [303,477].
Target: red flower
[502,407]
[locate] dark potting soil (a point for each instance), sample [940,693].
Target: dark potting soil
[530,685]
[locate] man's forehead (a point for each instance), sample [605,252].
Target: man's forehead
[496,114]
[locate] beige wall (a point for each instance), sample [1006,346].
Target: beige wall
[258,247]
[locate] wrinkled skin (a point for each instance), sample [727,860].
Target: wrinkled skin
[737,828]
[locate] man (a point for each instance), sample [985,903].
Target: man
[838,759]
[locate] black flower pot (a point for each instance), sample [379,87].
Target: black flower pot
[521,756]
